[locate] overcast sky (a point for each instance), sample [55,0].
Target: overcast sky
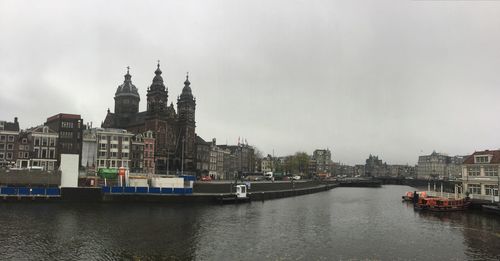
[394,78]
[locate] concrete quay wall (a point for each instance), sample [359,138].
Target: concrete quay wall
[255,186]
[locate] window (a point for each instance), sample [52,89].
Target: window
[9,155]
[37,153]
[125,139]
[10,146]
[102,146]
[474,188]
[44,141]
[11,138]
[491,190]
[52,154]
[124,155]
[2,146]
[2,137]
[20,155]
[482,159]
[37,141]
[114,137]
[473,171]
[52,142]
[26,155]
[66,124]
[103,137]
[125,147]
[102,154]
[25,140]
[114,146]
[114,154]
[44,153]
[491,171]
[2,155]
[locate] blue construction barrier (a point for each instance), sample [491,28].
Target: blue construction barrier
[53,191]
[129,190]
[25,191]
[155,190]
[141,190]
[116,189]
[178,190]
[38,191]
[166,191]
[147,190]
[9,191]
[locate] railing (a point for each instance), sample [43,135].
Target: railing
[30,192]
[484,197]
[146,190]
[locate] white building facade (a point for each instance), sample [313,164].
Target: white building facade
[480,174]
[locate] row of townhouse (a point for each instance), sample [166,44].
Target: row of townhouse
[34,147]
[223,161]
[115,148]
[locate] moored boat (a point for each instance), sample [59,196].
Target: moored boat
[492,208]
[442,204]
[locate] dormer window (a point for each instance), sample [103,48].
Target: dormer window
[482,159]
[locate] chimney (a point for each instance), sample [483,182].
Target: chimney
[15,119]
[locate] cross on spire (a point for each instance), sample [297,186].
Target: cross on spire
[158,63]
[128,68]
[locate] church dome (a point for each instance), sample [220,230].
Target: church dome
[127,88]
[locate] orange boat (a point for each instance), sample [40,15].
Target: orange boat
[441,204]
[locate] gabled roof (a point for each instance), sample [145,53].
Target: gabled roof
[494,153]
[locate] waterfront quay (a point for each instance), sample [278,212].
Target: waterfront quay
[345,223]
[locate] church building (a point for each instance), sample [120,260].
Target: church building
[174,131]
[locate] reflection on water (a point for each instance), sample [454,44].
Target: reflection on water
[344,223]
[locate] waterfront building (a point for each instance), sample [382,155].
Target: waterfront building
[480,174]
[149,152]
[174,132]
[70,130]
[113,148]
[323,160]
[44,140]
[137,154]
[375,167]
[359,170]
[9,132]
[89,150]
[401,170]
[202,159]
[24,148]
[244,157]
[454,169]
[266,164]
[439,166]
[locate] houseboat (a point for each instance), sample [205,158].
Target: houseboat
[442,204]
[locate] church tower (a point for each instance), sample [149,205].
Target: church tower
[157,94]
[126,97]
[186,106]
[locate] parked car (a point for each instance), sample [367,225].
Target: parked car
[296,177]
[206,178]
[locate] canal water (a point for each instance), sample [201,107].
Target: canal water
[341,224]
